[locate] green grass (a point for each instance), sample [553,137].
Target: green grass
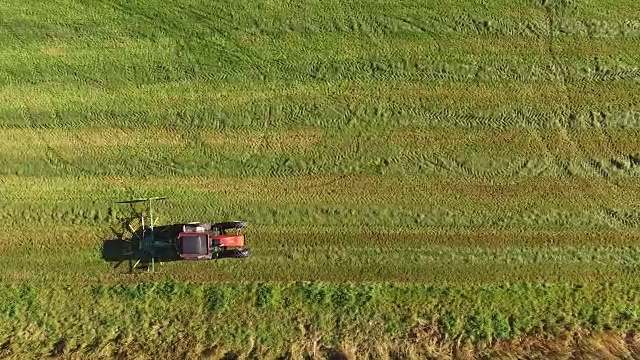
[237,317]
[470,169]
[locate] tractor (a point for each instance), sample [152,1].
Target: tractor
[198,241]
[144,243]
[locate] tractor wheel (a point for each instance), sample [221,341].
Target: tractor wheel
[230,225]
[241,253]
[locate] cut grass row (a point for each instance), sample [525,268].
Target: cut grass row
[316,202]
[438,140]
[216,21]
[368,104]
[296,57]
[483,152]
[78,254]
[360,217]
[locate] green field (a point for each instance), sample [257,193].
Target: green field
[421,178]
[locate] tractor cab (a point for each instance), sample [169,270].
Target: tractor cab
[192,245]
[199,241]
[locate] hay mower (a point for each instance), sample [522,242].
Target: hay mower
[148,243]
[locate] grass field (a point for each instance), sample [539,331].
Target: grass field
[421,178]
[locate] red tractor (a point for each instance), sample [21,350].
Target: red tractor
[199,241]
[144,243]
